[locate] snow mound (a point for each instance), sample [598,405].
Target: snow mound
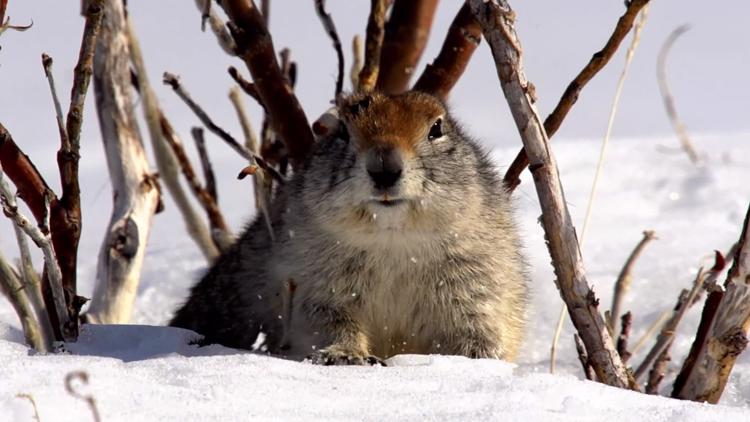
[154,372]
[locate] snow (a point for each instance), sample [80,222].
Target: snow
[151,372]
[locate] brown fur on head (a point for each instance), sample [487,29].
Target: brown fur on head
[400,121]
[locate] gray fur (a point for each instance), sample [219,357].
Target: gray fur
[442,272]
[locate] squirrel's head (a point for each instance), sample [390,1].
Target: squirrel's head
[393,164]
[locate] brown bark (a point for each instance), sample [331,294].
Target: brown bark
[3,6]
[496,19]
[368,75]
[208,170]
[464,36]
[665,338]
[255,47]
[570,96]
[722,333]
[622,339]
[204,196]
[406,34]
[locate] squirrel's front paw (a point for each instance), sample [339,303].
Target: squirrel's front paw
[336,356]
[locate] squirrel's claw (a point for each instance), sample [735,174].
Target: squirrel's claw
[329,357]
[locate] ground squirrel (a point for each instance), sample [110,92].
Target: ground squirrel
[396,236]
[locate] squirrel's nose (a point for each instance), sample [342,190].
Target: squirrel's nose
[384,165]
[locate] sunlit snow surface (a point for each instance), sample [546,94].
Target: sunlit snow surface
[146,372]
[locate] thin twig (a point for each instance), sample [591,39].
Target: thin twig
[18,296]
[622,285]
[556,338]
[666,95]
[47,64]
[248,87]
[43,241]
[251,138]
[205,14]
[584,358]
[330,27]
[255,47]
[368,75]
[622,339]
[611,120]
[164,143]
[29,397]
[464,36]
[20,28]
[357,57]
[664,340]
[208,171]
[218,26]
[605,142]
[651,330]
[659,370]
[173,81]
[220,232]
[572,92]
[83,378]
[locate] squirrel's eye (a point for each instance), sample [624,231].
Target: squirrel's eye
[436,131]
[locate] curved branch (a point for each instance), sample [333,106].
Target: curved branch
[570,96]
[255,47]
[464,36]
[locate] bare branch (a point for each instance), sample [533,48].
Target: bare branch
[255,47]
[208,171]
[357,56]
[464,36]
[666,336]
[496,19]
[330,27]
[622,340]
[368,75]
[165,145]
[220,233]
[47,64]
[722,333]
[30,398]
[622,285]
[666,95]
[205,14]
[570,96]
[18,296]
[82,377]
[248,87]
[218,27]
[658,371]
[44,242]
[406,34]
[173,81]
[251,138]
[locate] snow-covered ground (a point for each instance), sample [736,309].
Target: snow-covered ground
[147,372]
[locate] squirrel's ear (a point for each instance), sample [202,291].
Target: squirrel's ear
[436,131]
